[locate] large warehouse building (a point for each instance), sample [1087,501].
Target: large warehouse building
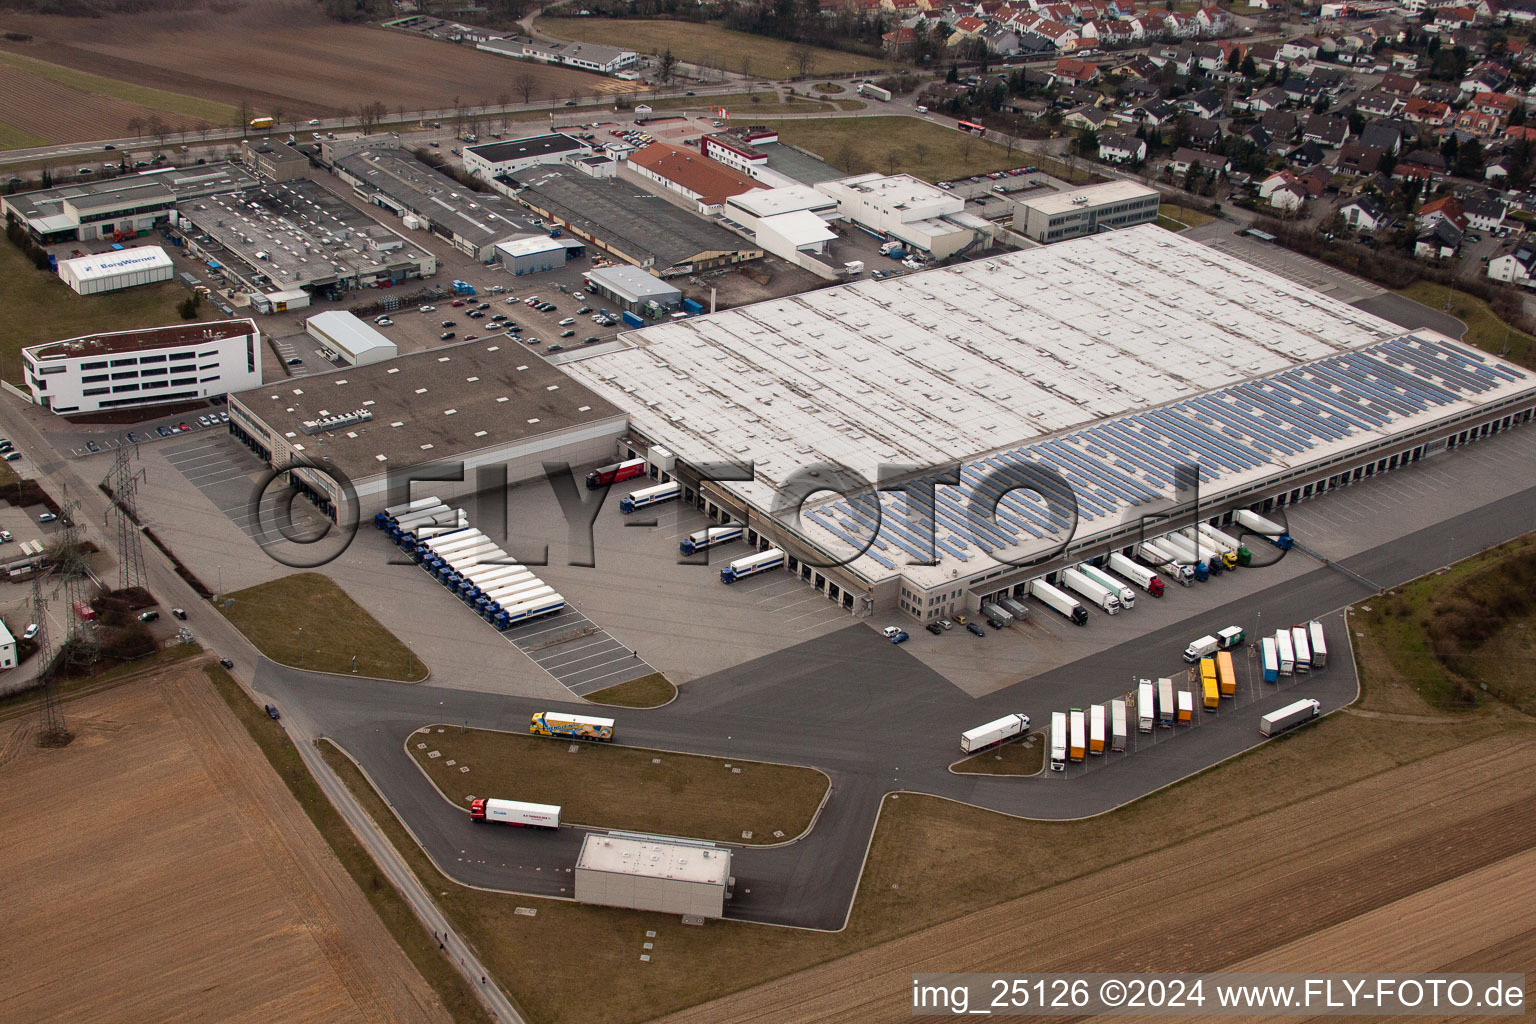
[117,208]
[619,870]
[1059,216]
[112,271]
[1064,389]
[349,339]
[478,403]
[153,366]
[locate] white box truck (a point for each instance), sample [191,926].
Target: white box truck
[1146,706]
[1302,649]
[1117,587]
[1096,594]
[1319,645]
[1165,702]
[1079,740]
[1286,651]
[1289,717]
[515,812]
[1058,741]
[1058,602]
[1140,575]
[1118,721]
[993,733]
[1158,558]
[1097,729]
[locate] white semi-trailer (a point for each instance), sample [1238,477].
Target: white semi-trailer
[1096,594]
[515,812]
[1286,651]
[1301,648]
[1155,556]
[1319,645]
[1165,702]
[994,733]
[1118,721]
[1058,602]
[1146,706]
[1058,741]
[1289,717]
[997,612]
[1097,729]
[1138,574]
[1115,586]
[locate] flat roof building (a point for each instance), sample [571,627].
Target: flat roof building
[281,236]
[906,209]
[516,155]
[681,171]
[604,60]
[479,403]
[789,222]
[349,338]
[646,231]
[1076,212]
[1097,367]
[127,204]
[632,288]
[153,366]
[273,159]
[111,271]
[649,874]
[384,174]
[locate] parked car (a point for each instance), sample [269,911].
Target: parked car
[589,339]
[180,613]
[183,425]
[427,309]
[935,629]
[29,632]
[385,321]
[272,712]
[556,347]
[5,537]
[226,663]
[92,446]
[975,629]
[163,431]
[901,637]
[12,456]
[584,310]
[295,361]
[47,517]
[445,336]
[567,321]
[449,323]
[484,305]
[149,616]
[567,333]
[457,302]
[891,631]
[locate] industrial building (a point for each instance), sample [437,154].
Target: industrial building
[279,237]
[757,151]
[605,60]
[383,174]
[903,208]
[7,648]
[632,289]
[1084,211]
[481,404]
[113,271]
[641,873]
[537,253]
[647,231]
[703,182]
[349,339]
[153,366]
[516,155]
[791,222]
[1066,388]
[118,208]
[273,159]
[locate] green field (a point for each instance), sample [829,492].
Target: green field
[895,145]
[307,621]
[155,99]
[742,105]
[710,45]
[1484,328]
[610,786]
[12,137]
[650,691]
[38,307]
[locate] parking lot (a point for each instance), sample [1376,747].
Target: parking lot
[168,428]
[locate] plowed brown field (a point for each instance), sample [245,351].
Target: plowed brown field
[61,114]
[158,869]
[285,56]
[1405,870]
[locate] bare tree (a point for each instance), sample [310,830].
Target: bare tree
[892,160]
[370,115]
[243,114]
[159,129]
[344,115]
[278,117]
[919,152]
[746,69]
[846,157]
[400,110]
[804,58]
[136,125]
[203,128]
[525,84]
[504,100]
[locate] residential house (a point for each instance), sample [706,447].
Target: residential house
[1484,211]
[1202,130]
[1273,98]
[1366,213]
[1326,130]
[1267,55]
[1184,158]
[1212,20]
[1155,113]
[1308,154]
[1280,123]
[1303,90]
[1424,165]
[1499,104]
[1070,71]
[1455,17]
[1439,242]
[1486,77]
[1428,112]
[1446,208]
[1205,103]
[1259,137]
[1088,118]
[1471,123]
[1282,191]
[1516,265]
[965,28]
[1379,103]
[1384,136]
[1359,159]
[1402,85]
[1316,180]
[1122,149]
[1140,66]
[1300,48]
[899,42]
[1001,40]
[1210,57]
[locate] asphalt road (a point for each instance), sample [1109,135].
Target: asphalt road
[877,721]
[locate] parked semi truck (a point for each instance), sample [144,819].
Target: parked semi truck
[1289,717]
[1117,587]
[571,727]
[1221,640]
[1302,648]
[870,89]
[1058,602]
[993,734]
[1186,707]
[1285,651]
[1269,659]
[1018,609]
[645,497]
[712,537]
[515,812]
[1098,595]
[1140,575]
[1165,702]
[1098,728]
[1227,542]
[1146,706]
[1265,528]
[1204,550]
[1209,690]
[751,565]
[618,472]
[1079,742]
[1058,741]
[1319,645]
[1118,722]
[1158,558]
[1183,551]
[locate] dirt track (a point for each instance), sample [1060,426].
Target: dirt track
[161,870]
[1308,886]
[284,55]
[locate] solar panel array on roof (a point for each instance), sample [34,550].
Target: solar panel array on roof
[1114,467]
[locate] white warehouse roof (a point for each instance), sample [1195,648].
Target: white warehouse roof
[530,246]
[682,862]
[1054,203]
[800,228]
[768,202]
[113,264]
[355,341]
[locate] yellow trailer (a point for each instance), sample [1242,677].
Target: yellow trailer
[1208,684]
[1226,675]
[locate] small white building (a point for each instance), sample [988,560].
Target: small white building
[350,339]
[7,648]
[532,255]
[785,221]
[515,155]
[643,874]
[904,208]
[153,366]
[1086,211]
[111,271]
